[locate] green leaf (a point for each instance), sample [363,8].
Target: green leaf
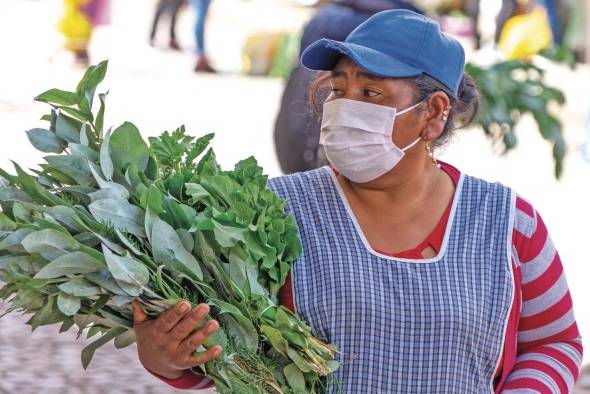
[299,360]
[65,215]
[13,243]
[76,167]
[9,193]
[89,350]
[79,115]
[125,339]
[99,122]
[295,338]
[228,236]
[237,325]
[50,243]
[84,152]
[119,214]
[132,177]
[46,141]
[127,147]
[87,239]
[180,214]
[152,199]
[151,170]
[186,238]
[276,339]
[67,324]
[30,185]
[68,304]
[167,248]
[237,271]
[80,288]
[20,213]
[67,128]
[48,314]
[106,164]
[57,96]
[295,377]
[103,184]
[70,264]
[128,243]
[85,135]
[130,274]
[199,147]
[93,76]
[105,280]
[50,223]
[198,194]
[6,224]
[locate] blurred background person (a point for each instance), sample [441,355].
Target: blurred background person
[297,128]
[171,8]
[201,10]
[79,19]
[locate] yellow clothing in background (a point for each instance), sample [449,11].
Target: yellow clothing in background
[526,35]
[75,25]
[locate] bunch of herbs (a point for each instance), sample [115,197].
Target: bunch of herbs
[109,218]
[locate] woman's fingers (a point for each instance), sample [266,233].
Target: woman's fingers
[189,322]
[205,357]
[195,340]
[139,316]
[168,319]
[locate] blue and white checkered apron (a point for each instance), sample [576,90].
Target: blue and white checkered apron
[405,326]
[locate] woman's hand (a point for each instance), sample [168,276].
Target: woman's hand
[166,345]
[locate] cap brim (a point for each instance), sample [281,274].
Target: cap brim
[323,55]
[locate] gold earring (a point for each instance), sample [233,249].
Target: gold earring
[430,153]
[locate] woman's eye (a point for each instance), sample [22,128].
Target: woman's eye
[336,91]
[371,93]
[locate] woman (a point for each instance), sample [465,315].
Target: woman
[78,22]
[201,10]
[297,129]
[172,8]
[428,280]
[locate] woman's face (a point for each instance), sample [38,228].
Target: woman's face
[351,82]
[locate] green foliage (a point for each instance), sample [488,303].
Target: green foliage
[109,219]
[510,90]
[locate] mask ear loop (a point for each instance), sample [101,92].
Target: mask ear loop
[403,112]
[410,108]
[412,144]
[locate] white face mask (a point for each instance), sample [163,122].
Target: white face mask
[356,137]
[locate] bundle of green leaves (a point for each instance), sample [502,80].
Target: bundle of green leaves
[109,218]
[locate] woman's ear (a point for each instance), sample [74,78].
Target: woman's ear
[437,114]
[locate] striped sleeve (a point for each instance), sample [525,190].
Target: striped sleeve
[188,381]
[549,352]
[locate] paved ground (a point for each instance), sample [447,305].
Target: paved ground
[157,90]
[46,363]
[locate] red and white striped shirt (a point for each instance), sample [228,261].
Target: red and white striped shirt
[542,347]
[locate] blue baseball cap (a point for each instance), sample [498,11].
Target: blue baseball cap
[396,43]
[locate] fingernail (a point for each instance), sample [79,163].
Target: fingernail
[184,307]
[211,327]
[203,310]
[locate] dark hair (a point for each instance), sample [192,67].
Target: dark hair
[464,107]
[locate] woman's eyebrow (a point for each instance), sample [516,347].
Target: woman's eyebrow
[337,73]
[359,74]
[370,76]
